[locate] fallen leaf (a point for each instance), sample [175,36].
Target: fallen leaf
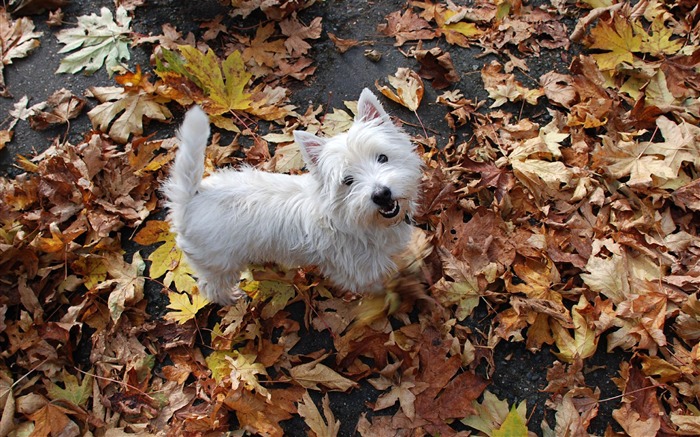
[409,88]
[99,40]
[320,426]
[121,111]
[183,308]
[18,40]
[310,375]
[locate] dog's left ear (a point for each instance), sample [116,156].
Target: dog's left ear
[310,146]
[369,108]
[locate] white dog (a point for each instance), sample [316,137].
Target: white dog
[348,215]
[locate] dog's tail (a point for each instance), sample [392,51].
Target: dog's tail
[188,169]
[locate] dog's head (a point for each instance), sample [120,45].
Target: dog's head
[369,175]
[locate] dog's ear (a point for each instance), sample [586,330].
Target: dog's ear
[369,108]
[310,146]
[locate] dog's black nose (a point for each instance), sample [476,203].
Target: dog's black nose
[382,196]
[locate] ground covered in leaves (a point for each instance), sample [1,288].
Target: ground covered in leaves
[552,284]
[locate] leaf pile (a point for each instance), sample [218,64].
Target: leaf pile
[563,207]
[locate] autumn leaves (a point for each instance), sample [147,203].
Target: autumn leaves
[564,205]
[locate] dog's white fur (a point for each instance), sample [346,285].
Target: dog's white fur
[238,217]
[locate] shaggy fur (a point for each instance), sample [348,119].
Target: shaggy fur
[347,214]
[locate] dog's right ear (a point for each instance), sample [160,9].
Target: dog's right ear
[310,146]
[369,108]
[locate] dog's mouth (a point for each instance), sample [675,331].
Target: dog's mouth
[391,210]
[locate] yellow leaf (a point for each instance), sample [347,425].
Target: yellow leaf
[513,426]
[455,31]
[493,417]
[240,369]
[184,309]
[620,40]
[223,83]
[659,41]
[409,88]
[167,259]
[584,342]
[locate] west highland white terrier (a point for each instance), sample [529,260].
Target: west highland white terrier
[348,215]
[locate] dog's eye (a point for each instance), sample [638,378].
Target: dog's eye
[382,158]
[348,180]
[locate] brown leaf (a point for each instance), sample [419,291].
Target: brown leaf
[297,33]
[343,45]
[406,27]
[437,66]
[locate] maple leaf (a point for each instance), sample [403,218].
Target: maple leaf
[262,51]
[406,27]
[127,280]
[17,40]
[558,88]
[297,33]
[134,103]
[222,83]
[74,392]
[167,259]
[401,393]
[621,39]
[409,88]
[61,107]
[455,31]
[321,427]
[184,309]
[492,414]
[505,88]
[342,44]
[52,420]
[437,66]
[240,369]
[463,291]
[515,424]
[659,41]
[542,178]
[99,40]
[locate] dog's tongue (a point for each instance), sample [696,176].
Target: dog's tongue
[391,210]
